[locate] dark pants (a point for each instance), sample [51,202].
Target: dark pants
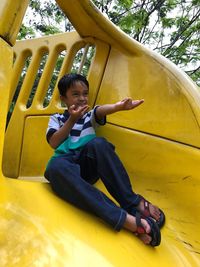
[72,175]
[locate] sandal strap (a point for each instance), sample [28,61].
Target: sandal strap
[146,212]
[146,203]
[154,233]
[140,229]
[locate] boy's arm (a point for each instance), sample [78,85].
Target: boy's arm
[125,104]
[60,135]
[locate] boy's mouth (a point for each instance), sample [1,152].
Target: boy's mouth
[81,104]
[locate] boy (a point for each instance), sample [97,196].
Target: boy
[81,158]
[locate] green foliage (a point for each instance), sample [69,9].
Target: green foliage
[43,18]
[170,27]
[125,4]
[26,32]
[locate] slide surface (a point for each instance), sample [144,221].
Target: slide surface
[159,144]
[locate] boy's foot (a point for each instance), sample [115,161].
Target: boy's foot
[145,229]
[149,210]
[146,239]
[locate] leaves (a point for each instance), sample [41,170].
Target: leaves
[26,32]
[46,18]
[170,27]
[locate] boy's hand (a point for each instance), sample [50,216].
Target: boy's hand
[77,113]
[125,104]
[128,103]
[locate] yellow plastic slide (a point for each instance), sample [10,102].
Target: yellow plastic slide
[159,143]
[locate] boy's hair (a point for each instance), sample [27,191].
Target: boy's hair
[69,80]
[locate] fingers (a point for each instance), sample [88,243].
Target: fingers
[131,101]
[126,99]
[130,104]
[71,108]
[78,112]
[137,102]
[84,108]
[79,108]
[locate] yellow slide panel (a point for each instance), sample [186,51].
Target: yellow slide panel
[159,144]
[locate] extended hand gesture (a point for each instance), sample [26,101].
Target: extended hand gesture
[128,103]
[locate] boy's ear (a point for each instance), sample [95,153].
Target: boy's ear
[63,101]
[62,98]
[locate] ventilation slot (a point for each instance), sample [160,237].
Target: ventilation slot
[83,59]
[27,61]
[37,79]
[53,81]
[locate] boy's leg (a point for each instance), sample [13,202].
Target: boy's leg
[64,176]
[100,155]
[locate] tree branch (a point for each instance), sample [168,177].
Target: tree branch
[191,72]
[181,31]
[152,9]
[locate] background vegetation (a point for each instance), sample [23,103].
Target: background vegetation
[169,27]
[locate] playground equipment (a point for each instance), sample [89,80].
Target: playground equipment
[158,142]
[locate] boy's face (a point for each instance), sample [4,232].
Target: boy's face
[76,95]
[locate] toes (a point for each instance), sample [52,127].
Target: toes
[146,239]
[149,210]
[155,212]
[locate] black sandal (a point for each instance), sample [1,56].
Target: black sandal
[154,233]
[146,213]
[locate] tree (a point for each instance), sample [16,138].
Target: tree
[43,18]
[170,27]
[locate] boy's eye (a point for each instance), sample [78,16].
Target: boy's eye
[85,94]
[75,94]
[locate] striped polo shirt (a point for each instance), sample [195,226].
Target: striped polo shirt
[82,132]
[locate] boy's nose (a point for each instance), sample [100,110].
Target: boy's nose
[81,97]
